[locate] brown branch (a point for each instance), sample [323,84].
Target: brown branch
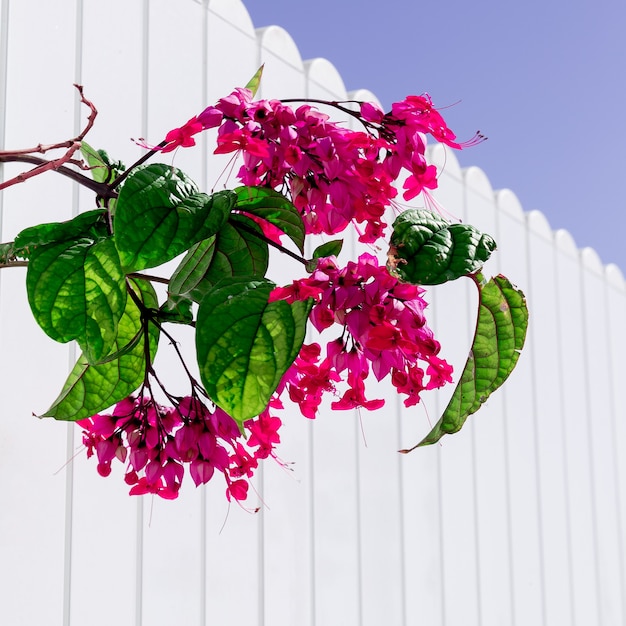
[14,264]
[71,146]
[99,188]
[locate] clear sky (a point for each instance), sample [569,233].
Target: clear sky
[545,81]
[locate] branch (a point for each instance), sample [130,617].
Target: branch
[7,157]
[122,177]
[156,279]
[71,146]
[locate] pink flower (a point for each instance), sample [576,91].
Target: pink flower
[354,398]
[420,179]
[383,330]
[159,442]
[183,136]
[237,490]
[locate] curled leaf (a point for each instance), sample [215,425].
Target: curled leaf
[426,249]
[500,335]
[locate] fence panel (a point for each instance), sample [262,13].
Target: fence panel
[515,520]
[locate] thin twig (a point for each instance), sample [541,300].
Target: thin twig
[154,279]
[85,181]
[71,145]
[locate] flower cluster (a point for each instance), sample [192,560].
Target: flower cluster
[335,177]
[156,442]
[333,174]
[383,328]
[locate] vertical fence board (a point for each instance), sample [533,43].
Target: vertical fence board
[516,520]
[106,525]
[286,490]
[552,486]
[575,431]
[452,306]
[34,576]
[521,464]
[492,516]
[337,444]
[600,433]
[616,334]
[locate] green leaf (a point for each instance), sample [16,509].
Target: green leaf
[100,170]
[176,311]
[500,335]
[103,170]
[7,252]
[245,344]
[160,214]
[76,290]
[90,224]
[273,207]
[91,389]
[428,250]
[255,81]
[233,252]
[330,248]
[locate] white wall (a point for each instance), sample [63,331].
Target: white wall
[516,520]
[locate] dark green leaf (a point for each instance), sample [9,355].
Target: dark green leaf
[330,248]
[273,207]
[160,214]
[90,389]
[245,344]
[76,290]
[231,253]
[90,225]
[428,250]
[500,335]
[176,311]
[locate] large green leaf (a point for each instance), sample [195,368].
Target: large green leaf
[233,252]
[500,335]
[76,290]
[160,214]
[245,344]
[90,389]
[273,207]
[90,224]
[426,249]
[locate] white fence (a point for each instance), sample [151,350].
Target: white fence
[517,520]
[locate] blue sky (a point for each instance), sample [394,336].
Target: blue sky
[546,82]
